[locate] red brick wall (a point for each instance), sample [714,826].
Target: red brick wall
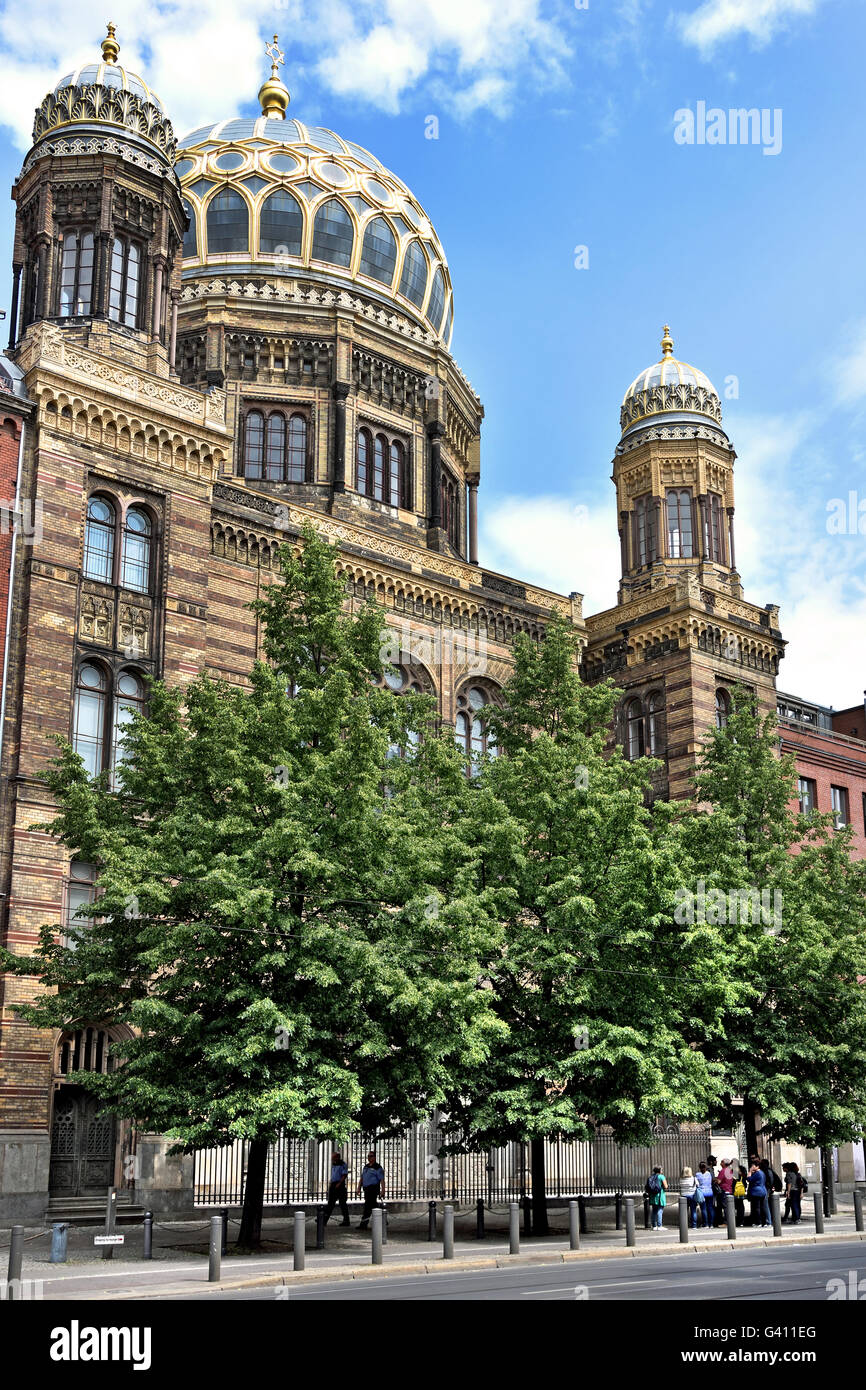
[831,759]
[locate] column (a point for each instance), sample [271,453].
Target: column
[623,541]
[731,538]
[13,311]
[702,548]
[341,393]
[473,523]
[660,547]
[157,300]
[101,276]
[435,432]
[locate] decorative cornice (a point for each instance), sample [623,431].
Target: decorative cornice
[683,431]
[97,144]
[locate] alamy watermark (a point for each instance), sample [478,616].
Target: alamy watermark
[26,519]
[847,518]
[402,645]
[738,906]
[737,126]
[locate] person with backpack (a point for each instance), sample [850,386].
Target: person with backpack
[725,1182]
[759,1199]
[691,1192]
[656,1189]
[740,1190]
[772,1180]
[706,1181]
[795,1186]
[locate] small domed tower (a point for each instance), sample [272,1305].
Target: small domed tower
[682,636]
[100,221]
[674,476]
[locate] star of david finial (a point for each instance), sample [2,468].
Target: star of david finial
[275,54]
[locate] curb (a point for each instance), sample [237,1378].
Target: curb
[335,1273]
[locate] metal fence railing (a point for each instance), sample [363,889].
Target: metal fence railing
[417,1168]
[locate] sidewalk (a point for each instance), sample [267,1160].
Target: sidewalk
[180,1266]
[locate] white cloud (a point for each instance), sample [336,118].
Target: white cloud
[847,373]
[557,542]
[205,58]
[716,21]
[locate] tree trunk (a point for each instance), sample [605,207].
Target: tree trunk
[250,1236]
[750,1120]
[539,1190]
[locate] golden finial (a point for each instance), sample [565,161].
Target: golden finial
[110,46]
[273,94]
[667,342]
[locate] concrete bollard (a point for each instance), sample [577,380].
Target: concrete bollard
[776,1213]
[59,1232]
[513,1228]
[216,1245]
[376,1226]
[573,1226]
[731,1216]
[320,1228]
[818,1199]
[148,1235]
[16,1255]
[683,1212]
[448,1234]
[431,1220]
[858,1211]
[299,1245]
[629,1221]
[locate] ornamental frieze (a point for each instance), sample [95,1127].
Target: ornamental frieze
[106,105]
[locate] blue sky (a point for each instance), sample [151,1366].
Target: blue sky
[556,130]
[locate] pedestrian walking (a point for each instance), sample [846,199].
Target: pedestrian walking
[725,1184]
[372,1184]
[656,1189]
[740,1190]
[338,1188]
[705,1181]
[691,1192]
[795,1186]
[786,1169]
[759,1198]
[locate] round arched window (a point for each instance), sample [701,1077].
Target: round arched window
[472,731]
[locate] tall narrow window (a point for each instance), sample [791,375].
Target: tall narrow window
[680,540]
[128,699]
[99,541]
[436,306]
[190,236]
[654,732]
[88,737]
[839,807]
[379,447]
[364,460]
[645,530]
[297,456]
[76,273]
[472,732]
[807,793]
[634,729]
[723,708]
[80,892]
[135,557]
[714,529]
[396,475]
[123,289]
[254,444]
[275,448]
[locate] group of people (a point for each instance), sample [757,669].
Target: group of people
[706,1190]
[371,1185]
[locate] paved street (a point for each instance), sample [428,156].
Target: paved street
[798,1273]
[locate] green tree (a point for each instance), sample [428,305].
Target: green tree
[286,917]
[787,901]
[601,1020]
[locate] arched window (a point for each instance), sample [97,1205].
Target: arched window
[254,444]
[135,555]
[190,236]
[379,251]
[723,708]
[275,448]
[99,541]
[714,529]
[76,274]
[634,729]
[436,307]
[281,224]
[365,449]
[123,288]
[413,280]
[80,892]
[333,234]
[88,736]
[471,731]
[645,530]
[397,480]
[380,447]
[450,510]
[228,223]
[128,699]
[654,724]
[680,541]
[296,470]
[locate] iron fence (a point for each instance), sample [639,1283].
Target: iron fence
[417,1168]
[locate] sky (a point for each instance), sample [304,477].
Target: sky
[578,219]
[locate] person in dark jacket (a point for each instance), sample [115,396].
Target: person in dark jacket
[758,1196]
[795,1186]
[338,1188]
[372,1184]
